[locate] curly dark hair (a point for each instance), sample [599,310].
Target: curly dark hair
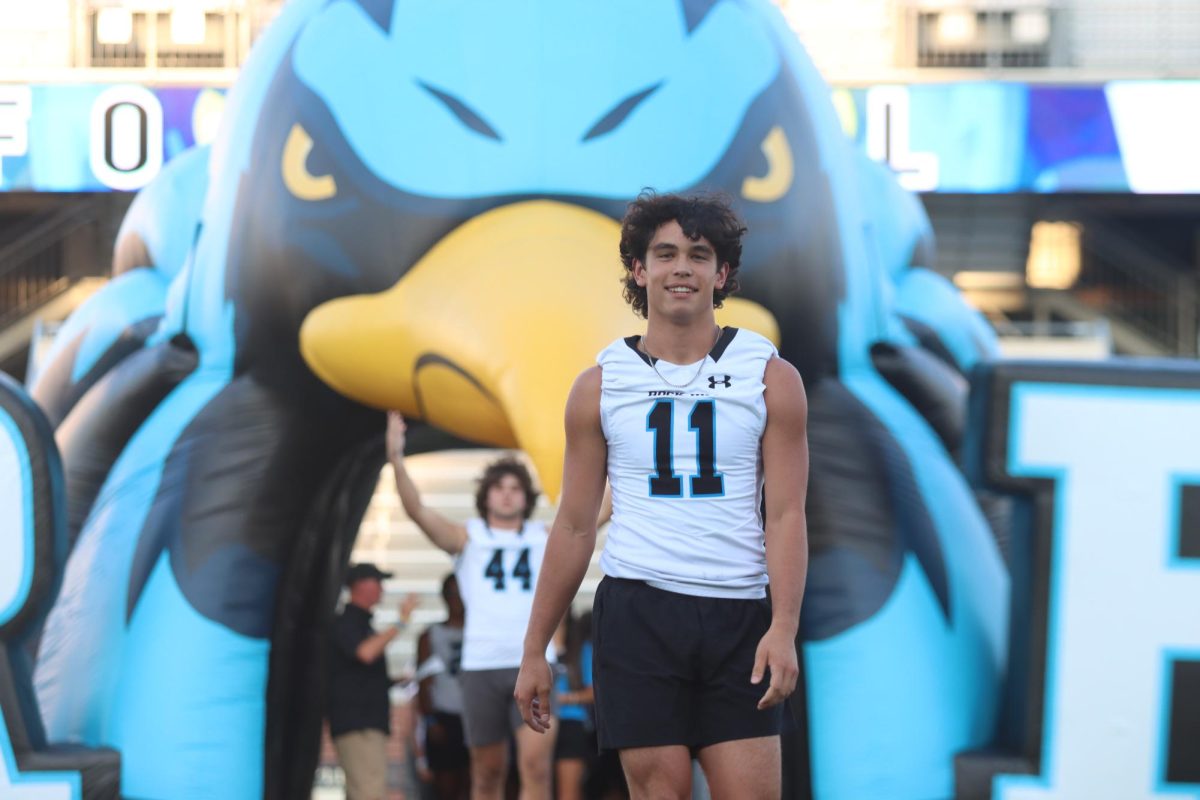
[492,475]
[703,215]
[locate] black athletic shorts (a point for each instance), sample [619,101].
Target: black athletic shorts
[574,740]
[674,669]
[446,750]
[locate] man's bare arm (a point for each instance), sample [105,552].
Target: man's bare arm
[572,541]
[443,532]
[373,646]
[785,468]
[573,533]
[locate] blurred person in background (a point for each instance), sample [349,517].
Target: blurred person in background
[418,778]
[576,744]
[498,556]
[359,709]
[439,654]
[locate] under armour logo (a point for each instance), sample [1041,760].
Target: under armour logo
[722,380]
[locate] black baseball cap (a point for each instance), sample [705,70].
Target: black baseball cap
[358,572]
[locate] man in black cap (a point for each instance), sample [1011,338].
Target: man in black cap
[359,708]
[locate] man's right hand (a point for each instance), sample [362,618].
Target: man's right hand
[534,682]
[395,435]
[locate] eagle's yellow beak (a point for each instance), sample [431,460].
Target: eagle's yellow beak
[485,335]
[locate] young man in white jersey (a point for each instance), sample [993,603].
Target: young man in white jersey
[498,557]
[690,423]
[440,698]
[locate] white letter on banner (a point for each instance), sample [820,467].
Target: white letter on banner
[16,104]
[1121,599]
[126,145]
[888,126]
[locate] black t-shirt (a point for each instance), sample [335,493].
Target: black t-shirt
[358,692]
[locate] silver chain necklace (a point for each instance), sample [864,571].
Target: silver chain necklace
[654,363]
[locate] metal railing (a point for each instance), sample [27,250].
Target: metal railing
[1134,287]
[980,35]
[151,46]
[991,47]
[35,267]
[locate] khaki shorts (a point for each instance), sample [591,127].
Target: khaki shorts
[363,756]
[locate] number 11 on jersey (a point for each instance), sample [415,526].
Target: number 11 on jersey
[707,482]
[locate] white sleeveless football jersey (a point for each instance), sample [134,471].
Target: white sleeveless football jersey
[497,572]
[685,465]
[446,643]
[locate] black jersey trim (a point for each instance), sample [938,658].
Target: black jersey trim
[723,342]
[718,350]
[632,341]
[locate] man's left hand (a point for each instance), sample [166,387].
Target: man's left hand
[777,653]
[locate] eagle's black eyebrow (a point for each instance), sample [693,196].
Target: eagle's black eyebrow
[615,116]
[466,115]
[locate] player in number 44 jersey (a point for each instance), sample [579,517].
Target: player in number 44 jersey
[497,560]
[694,426]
